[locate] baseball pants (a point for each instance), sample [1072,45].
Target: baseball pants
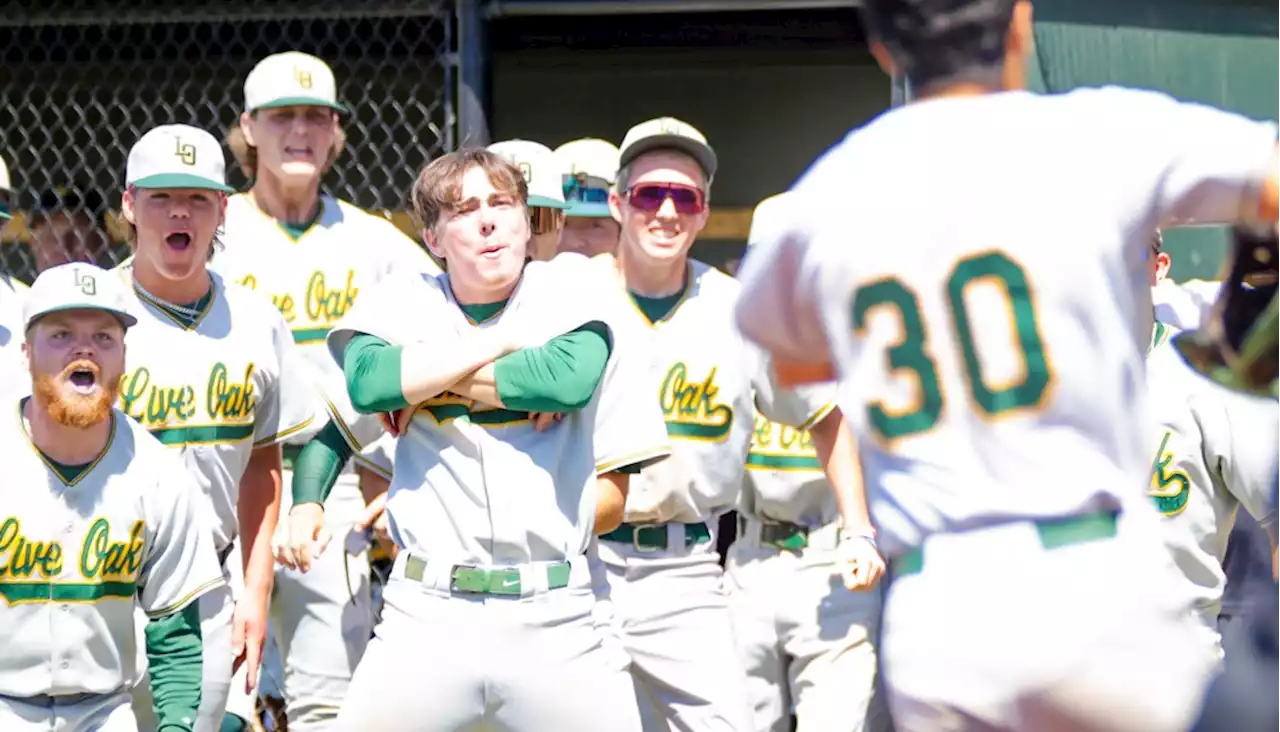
[76,713]
[670,612]
[216,698]
[442,661]
[1077,624]
[806,641]
[321,620]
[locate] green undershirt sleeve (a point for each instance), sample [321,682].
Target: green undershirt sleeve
[174,657]
[372,369]
[317,467]
[560,376]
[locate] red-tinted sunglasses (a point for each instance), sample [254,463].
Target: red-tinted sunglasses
[650,197]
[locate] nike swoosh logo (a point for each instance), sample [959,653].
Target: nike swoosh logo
[510,583]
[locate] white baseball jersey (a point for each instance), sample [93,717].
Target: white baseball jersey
[73,558]
[784,479]
[477,484]
[214,391]
[1216,453]
[316,279]
[976,269]
[1184,305]
[709,381]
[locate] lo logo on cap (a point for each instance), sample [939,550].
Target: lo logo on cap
[186,153]
[87,283]
[527,171]
[303,77]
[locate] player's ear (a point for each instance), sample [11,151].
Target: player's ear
[1163,263]
[882,57]
[433,244]
[246,127]
[615,205]
[126,205]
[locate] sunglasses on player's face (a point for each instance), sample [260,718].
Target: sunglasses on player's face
[650,197]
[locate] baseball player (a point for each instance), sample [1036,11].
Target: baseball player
[1181,305]
[12,289]
[106,518]
[820,665]
[589,228]
[987,376]
[663,571]
[544,173]
[1211,459]
[313,254]
[490,601]
[205,375]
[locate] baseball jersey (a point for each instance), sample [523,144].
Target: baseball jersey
[478,484]
[315,279]
[784,480]
[709,382]
[1215,453]
[213,391]
[992,348]
[1184,305]
[73,558]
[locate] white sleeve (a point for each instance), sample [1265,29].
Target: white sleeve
[379,456]
[359,431]
[801,407]
[400,253]
[402,309]
[1240,437]
[181,563]
[1205,165]
[289,410]
[778,308]
[630,429]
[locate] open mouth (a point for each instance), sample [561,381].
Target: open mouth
[298,153]
[178,240]
[83,380]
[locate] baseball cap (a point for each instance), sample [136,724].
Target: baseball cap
[177,156]
[543,170]
[593,169]
[5,187]
[291,79]
[668,133]
[76,286]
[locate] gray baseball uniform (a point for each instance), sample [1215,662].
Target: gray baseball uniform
[665,580]
[75,560]
[213,391]
[806,640]
[490,601]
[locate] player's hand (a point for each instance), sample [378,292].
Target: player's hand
[861,565]
[308,536]
[375,521]
[390,421]
[248,634]
[543,421]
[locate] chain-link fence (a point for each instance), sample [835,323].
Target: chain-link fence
[81,80]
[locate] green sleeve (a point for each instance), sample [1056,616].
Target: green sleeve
[372,368]
[173,655]
[559,376]
[318,465]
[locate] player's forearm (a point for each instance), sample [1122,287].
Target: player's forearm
[318,466]
[258,510]
[559,376]
[173,645]
[611,501]
[383,378]
[480,385]
[838,454]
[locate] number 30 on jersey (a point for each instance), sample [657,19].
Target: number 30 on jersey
[911,358]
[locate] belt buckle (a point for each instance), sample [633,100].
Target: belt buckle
[453,580]
[635,540]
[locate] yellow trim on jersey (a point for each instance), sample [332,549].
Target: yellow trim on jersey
[111,438]
[371,466]
[283,435]
[337,419]
[647,457]
[686,290]
[818,416]
[188,598]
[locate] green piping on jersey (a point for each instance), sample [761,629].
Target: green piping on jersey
[658,309]
[205,434]
[484,311]
[767,461]
[296,229]
[16,593]
[54,467]
[70,473]
[305,336]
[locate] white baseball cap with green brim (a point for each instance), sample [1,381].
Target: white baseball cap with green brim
[177,156]
[543,171]
[76,286]
[291,79]
[668,133]
[593,169]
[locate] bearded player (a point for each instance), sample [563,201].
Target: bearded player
[205,375]
[100,518]
[999,390]
[313,255]
[663,570]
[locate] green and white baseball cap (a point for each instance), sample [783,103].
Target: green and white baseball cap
[76,286]
[177,156]
[668,133]
[5,186]
[593,169]
[543,170]
[291,79]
